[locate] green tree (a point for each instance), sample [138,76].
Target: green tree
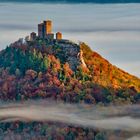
[44,64]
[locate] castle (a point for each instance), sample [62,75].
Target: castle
[45,32]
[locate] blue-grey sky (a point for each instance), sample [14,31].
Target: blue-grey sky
[113,30]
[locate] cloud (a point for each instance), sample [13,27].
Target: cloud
[107,119]
[134,138]
[15,26]
[124,118]
[101,29]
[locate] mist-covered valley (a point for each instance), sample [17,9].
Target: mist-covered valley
[107,122]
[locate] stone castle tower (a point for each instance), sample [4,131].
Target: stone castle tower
[41,30]
[45,31]
[48,27]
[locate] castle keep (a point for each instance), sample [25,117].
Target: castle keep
[45,31]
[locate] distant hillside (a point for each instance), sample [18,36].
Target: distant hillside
[63,70]
[75,1]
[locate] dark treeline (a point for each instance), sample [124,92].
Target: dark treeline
[75,1]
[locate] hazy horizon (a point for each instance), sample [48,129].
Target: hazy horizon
[113,30]
[74,1]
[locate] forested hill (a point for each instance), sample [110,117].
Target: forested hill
[107,74]
[75,1]
[63,70]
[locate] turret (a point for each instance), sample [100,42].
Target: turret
[32,36]
[58,36]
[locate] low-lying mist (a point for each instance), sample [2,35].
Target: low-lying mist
[109,118]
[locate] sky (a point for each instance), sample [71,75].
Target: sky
[113,30]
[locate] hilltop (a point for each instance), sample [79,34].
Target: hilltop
[63,70]
[45,66]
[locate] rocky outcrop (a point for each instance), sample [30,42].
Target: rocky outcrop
[80,55]
[71,52]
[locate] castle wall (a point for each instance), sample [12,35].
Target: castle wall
[49,36]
